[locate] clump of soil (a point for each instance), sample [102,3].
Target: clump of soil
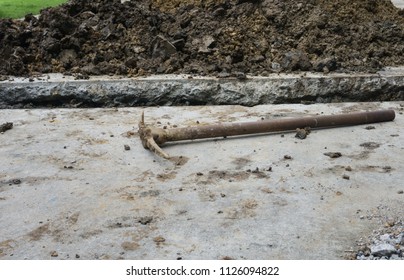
[209,37]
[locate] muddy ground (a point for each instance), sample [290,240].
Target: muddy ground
[213,37]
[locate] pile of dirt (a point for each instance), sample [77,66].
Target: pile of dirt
[210,37]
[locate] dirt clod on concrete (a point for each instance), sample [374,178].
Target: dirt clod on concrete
[301,133]
[6,126]
[213,37]
[333,154]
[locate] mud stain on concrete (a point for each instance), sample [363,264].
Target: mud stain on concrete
[39,232]
[6,246]
[244,209]
[163,177]
[130,246]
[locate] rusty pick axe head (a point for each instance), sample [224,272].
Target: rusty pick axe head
[152,137]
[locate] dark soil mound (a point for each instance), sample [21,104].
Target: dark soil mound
[204,37]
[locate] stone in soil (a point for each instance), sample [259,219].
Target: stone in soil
[203,37]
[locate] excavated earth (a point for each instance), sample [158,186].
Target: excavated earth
[213,37]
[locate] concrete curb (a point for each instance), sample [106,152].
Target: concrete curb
[60,91]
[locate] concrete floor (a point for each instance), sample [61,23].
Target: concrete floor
[69,189]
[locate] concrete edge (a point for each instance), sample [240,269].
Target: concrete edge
[57,90]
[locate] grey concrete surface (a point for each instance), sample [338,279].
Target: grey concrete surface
[69,189]
[57,90]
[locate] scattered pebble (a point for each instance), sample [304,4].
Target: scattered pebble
[159,239]
[400,192]
[346,177]
[386,243]
[333,154]
[6,126]
[370,127]
[348,168]
[145,220]
[287,157]
[54,254]
[302,133]
[126,147]
[16,181]
[256,170]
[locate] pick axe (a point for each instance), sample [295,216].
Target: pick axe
[153,137]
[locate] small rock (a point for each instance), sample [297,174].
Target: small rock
[159,239]
[256,170]
[348,168]
[400,239]
[6,126]
[77,256]
[145,220]
[386,238]
[126,147]
[346,177]
[16,181]
[161,47]
[395,257]
[287,157]
[54,254]
[240,75]
[219,12]
[382,250]
[333,154]
[296,60]
[370,127]
[361,257]
[222,75]
[400,192]
[302,133]
[326,65]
